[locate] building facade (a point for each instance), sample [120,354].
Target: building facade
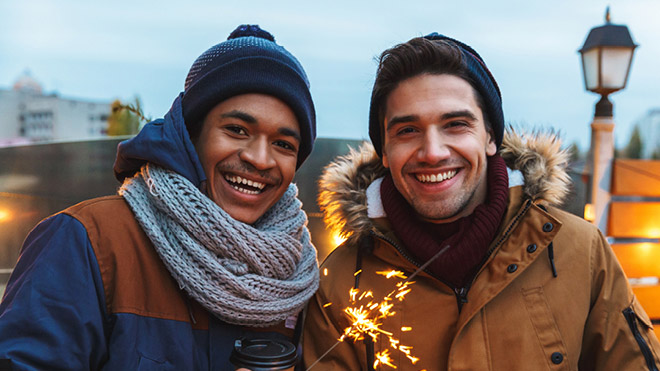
[27,115]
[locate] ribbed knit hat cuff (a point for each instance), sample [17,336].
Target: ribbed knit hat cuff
[489,91]
[254,74]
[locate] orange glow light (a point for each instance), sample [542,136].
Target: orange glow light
[589,212]
[5,215]
[337,239]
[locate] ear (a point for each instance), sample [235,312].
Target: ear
[386,163]
[491,147]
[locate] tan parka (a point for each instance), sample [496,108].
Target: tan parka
[550,296]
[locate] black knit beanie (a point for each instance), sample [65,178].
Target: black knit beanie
[482,80]
[250,62]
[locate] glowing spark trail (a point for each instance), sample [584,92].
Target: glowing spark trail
[367,319]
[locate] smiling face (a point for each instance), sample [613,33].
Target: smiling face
[248,147]
[436,146]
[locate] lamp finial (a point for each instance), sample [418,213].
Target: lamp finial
[607,15]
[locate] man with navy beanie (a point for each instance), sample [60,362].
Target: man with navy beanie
[249,62]
[464,211]
[204,245]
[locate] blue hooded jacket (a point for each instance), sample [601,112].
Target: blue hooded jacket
[90,292]
[164,142]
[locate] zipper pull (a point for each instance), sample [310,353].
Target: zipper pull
[461,296]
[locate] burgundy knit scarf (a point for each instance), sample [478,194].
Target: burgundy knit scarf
[468,237]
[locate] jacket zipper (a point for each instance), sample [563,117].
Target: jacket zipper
[460,292]
[631,318]
[461,296]
[396,246]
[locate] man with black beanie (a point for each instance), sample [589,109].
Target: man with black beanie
[205,244]
[449,204]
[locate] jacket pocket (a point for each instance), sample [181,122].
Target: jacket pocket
[546,329]
[148,363]
[636,317]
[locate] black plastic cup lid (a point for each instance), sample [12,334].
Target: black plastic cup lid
[263,354]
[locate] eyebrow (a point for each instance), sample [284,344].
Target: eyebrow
[446,116]
[401,119]
[290,133]
[246,117]
[462,113]
[241,116]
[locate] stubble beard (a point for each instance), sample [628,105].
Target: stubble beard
[442,210]
[446,210]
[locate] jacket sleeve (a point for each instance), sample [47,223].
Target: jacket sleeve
[618,333]
[52,315]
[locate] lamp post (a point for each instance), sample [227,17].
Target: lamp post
[606,58]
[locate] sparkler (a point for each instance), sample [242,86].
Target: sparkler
[367,318]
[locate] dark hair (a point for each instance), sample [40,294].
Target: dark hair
[416,57]
[195,130]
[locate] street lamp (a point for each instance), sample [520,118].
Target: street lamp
[606,58]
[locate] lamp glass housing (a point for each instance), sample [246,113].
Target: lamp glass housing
[615,65]
[606,68]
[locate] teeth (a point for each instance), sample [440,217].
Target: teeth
[243,190]
[435,178]
[240,180]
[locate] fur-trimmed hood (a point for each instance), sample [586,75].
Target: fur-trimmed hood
[343,185]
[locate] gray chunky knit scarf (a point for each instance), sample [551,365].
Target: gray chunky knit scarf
[255,275]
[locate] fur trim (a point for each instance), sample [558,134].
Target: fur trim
[343,190]
[542,162]
[344,182]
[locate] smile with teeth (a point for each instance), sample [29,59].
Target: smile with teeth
[243,185]
[436,178]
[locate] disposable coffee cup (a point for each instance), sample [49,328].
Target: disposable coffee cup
[264,354]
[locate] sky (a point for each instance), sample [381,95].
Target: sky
[101,51]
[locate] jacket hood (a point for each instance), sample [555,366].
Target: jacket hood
[344,182]
[164,142]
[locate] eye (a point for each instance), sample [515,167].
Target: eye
[458,124]
[285,145]
[236,129]
[406,130]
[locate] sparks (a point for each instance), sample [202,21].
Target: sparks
[327,305]
[392,273]
[352,293]
[384,358]
[367,315]
[401,287]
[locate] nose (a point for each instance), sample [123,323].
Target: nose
[434,147]
[258,154]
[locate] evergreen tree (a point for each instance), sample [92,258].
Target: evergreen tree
[634,147]
[656,154]
[574,151]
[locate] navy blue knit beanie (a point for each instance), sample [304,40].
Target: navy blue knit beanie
[250,62]
[482,80]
